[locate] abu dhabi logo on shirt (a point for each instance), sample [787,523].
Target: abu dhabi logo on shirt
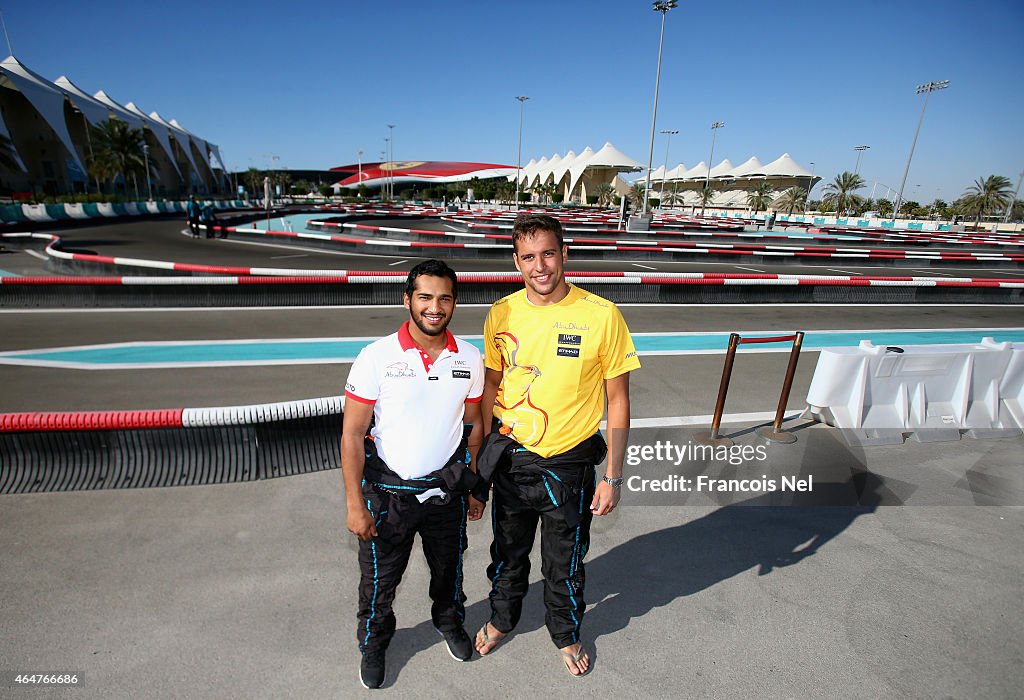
[399,370]
[570,326]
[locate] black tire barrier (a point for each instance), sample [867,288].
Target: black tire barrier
[37,462]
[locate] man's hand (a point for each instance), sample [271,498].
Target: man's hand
[476,508]
[606,497]
[360,523]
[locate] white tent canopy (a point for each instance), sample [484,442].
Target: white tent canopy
[749,168]
[697,172]
[180,136]
[44,97]
[95,111]
[785,166]
[119,111]
[203,146]
[161,132]
[722,171]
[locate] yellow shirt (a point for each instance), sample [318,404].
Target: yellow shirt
[555,360]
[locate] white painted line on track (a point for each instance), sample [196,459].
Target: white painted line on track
[282,257]
[934,272]
[310,250]
[844,272]
[646,267]
[398,262]
[750,269]
[37,254]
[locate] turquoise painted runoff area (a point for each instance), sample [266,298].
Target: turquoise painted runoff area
[294,222]
[5,273]
[285,351]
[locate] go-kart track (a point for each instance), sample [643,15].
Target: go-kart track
[172,516]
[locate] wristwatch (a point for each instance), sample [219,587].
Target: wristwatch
[614,483]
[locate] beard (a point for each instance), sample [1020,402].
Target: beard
[432,331]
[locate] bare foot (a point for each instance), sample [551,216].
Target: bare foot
[487,638]
[576,659]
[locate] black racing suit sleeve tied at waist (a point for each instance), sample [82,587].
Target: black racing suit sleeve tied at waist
[455,477]
[547,483]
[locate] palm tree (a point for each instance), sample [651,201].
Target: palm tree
[547,191]
[506,191]
[759,198]
[117,149]
[637,195]
[254,181]
[840,192]
[987,194]
[792,199]
[706,194]
[605,193]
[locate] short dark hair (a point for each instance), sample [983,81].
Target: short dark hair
[526,225]
[433,268]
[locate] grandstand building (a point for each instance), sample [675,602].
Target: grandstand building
[45,140]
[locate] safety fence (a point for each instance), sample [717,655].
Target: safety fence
[139,449]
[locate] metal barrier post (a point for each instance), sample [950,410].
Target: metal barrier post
[713,438]
[775,433]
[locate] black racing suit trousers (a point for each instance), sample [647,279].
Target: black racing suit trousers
[382,561]
[562,549]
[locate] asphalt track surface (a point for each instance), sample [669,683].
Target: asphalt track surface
[248,590]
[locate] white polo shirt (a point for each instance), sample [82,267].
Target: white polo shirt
[418,405]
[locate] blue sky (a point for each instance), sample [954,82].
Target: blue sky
[314,82]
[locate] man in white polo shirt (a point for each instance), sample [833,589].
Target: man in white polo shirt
[422,387]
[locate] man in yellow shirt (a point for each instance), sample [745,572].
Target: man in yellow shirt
[552,353]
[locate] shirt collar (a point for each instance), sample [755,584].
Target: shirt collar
[407,343]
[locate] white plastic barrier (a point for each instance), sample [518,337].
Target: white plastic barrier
[131,208]
[106,209]
[877,395]
[75,211]
[36,212]
[153,208]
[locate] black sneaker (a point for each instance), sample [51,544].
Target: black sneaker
[371,670]
[459,644]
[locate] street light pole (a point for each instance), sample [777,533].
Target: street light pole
[810,184]
[519,152]
[668,140]
[927,89]
[715,126]
[860,152]
[149,182]
[359,158]
[662,6]
[391,160]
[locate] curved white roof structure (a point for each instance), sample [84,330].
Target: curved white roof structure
[50,99]
[94,110]
[45,98]
[784,166]
[697,172]
[722,171]
[161,132]
[180,136]
[749,168]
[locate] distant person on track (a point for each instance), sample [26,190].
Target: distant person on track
[208,219]
[413,472]
[192,211]
[553,353]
